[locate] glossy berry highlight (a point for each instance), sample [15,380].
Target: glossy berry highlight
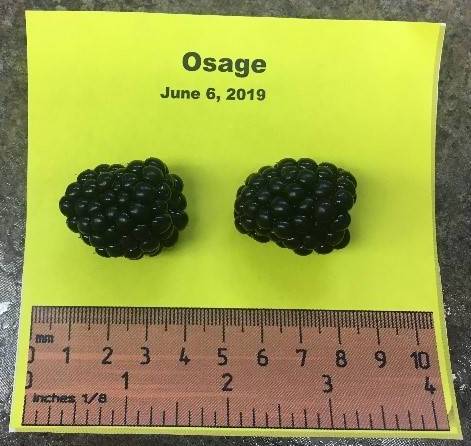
[126,211]
[299,205]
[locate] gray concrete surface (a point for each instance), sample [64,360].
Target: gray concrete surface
[453,187]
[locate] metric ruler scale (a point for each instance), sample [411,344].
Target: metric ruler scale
[233,368]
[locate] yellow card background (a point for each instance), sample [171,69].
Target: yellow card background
[361,94]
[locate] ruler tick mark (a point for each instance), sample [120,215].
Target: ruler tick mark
[378,339]
[49,415]
[86,417]
[189,417]
[254,421]
[371,421]
[36,417]
[151,415]
[176,413]
[223,330]
[397,421]
[423,422]
[202,416]
[266,419]
[383,416]
[261,332]
[137,417]
[108,331]
[435,419]
[331,413]
[279,415]
[339,335]
[300,333]
[163,418]
[344,421]
[215,418]
[69,329]
[99,415]
[417,338]
[112,417]
[74,414]
[305,418]
[358,418]
[126,410]
[410,419]
[240,419]
[228,419]
[61,418]
[318,420]
[184,332]
[292,419]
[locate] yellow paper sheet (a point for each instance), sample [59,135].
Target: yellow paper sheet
[361,94]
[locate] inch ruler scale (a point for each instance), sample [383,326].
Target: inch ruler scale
[233,368]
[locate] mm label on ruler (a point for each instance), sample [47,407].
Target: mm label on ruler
[233,368]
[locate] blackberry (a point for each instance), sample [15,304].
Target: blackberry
[299,205]
[127,211]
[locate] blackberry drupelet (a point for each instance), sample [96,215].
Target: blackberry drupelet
[127,211]
[297,204]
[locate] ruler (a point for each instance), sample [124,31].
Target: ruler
[233,368]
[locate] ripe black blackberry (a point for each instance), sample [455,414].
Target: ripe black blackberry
[126,211]
[297,204]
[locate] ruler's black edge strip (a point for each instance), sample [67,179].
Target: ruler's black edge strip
[328,318]
[235,427]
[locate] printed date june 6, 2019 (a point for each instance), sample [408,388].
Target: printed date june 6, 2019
[230,94]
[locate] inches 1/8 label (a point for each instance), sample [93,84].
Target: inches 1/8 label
[211,94]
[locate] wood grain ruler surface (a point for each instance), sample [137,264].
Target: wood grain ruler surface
[233,368]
